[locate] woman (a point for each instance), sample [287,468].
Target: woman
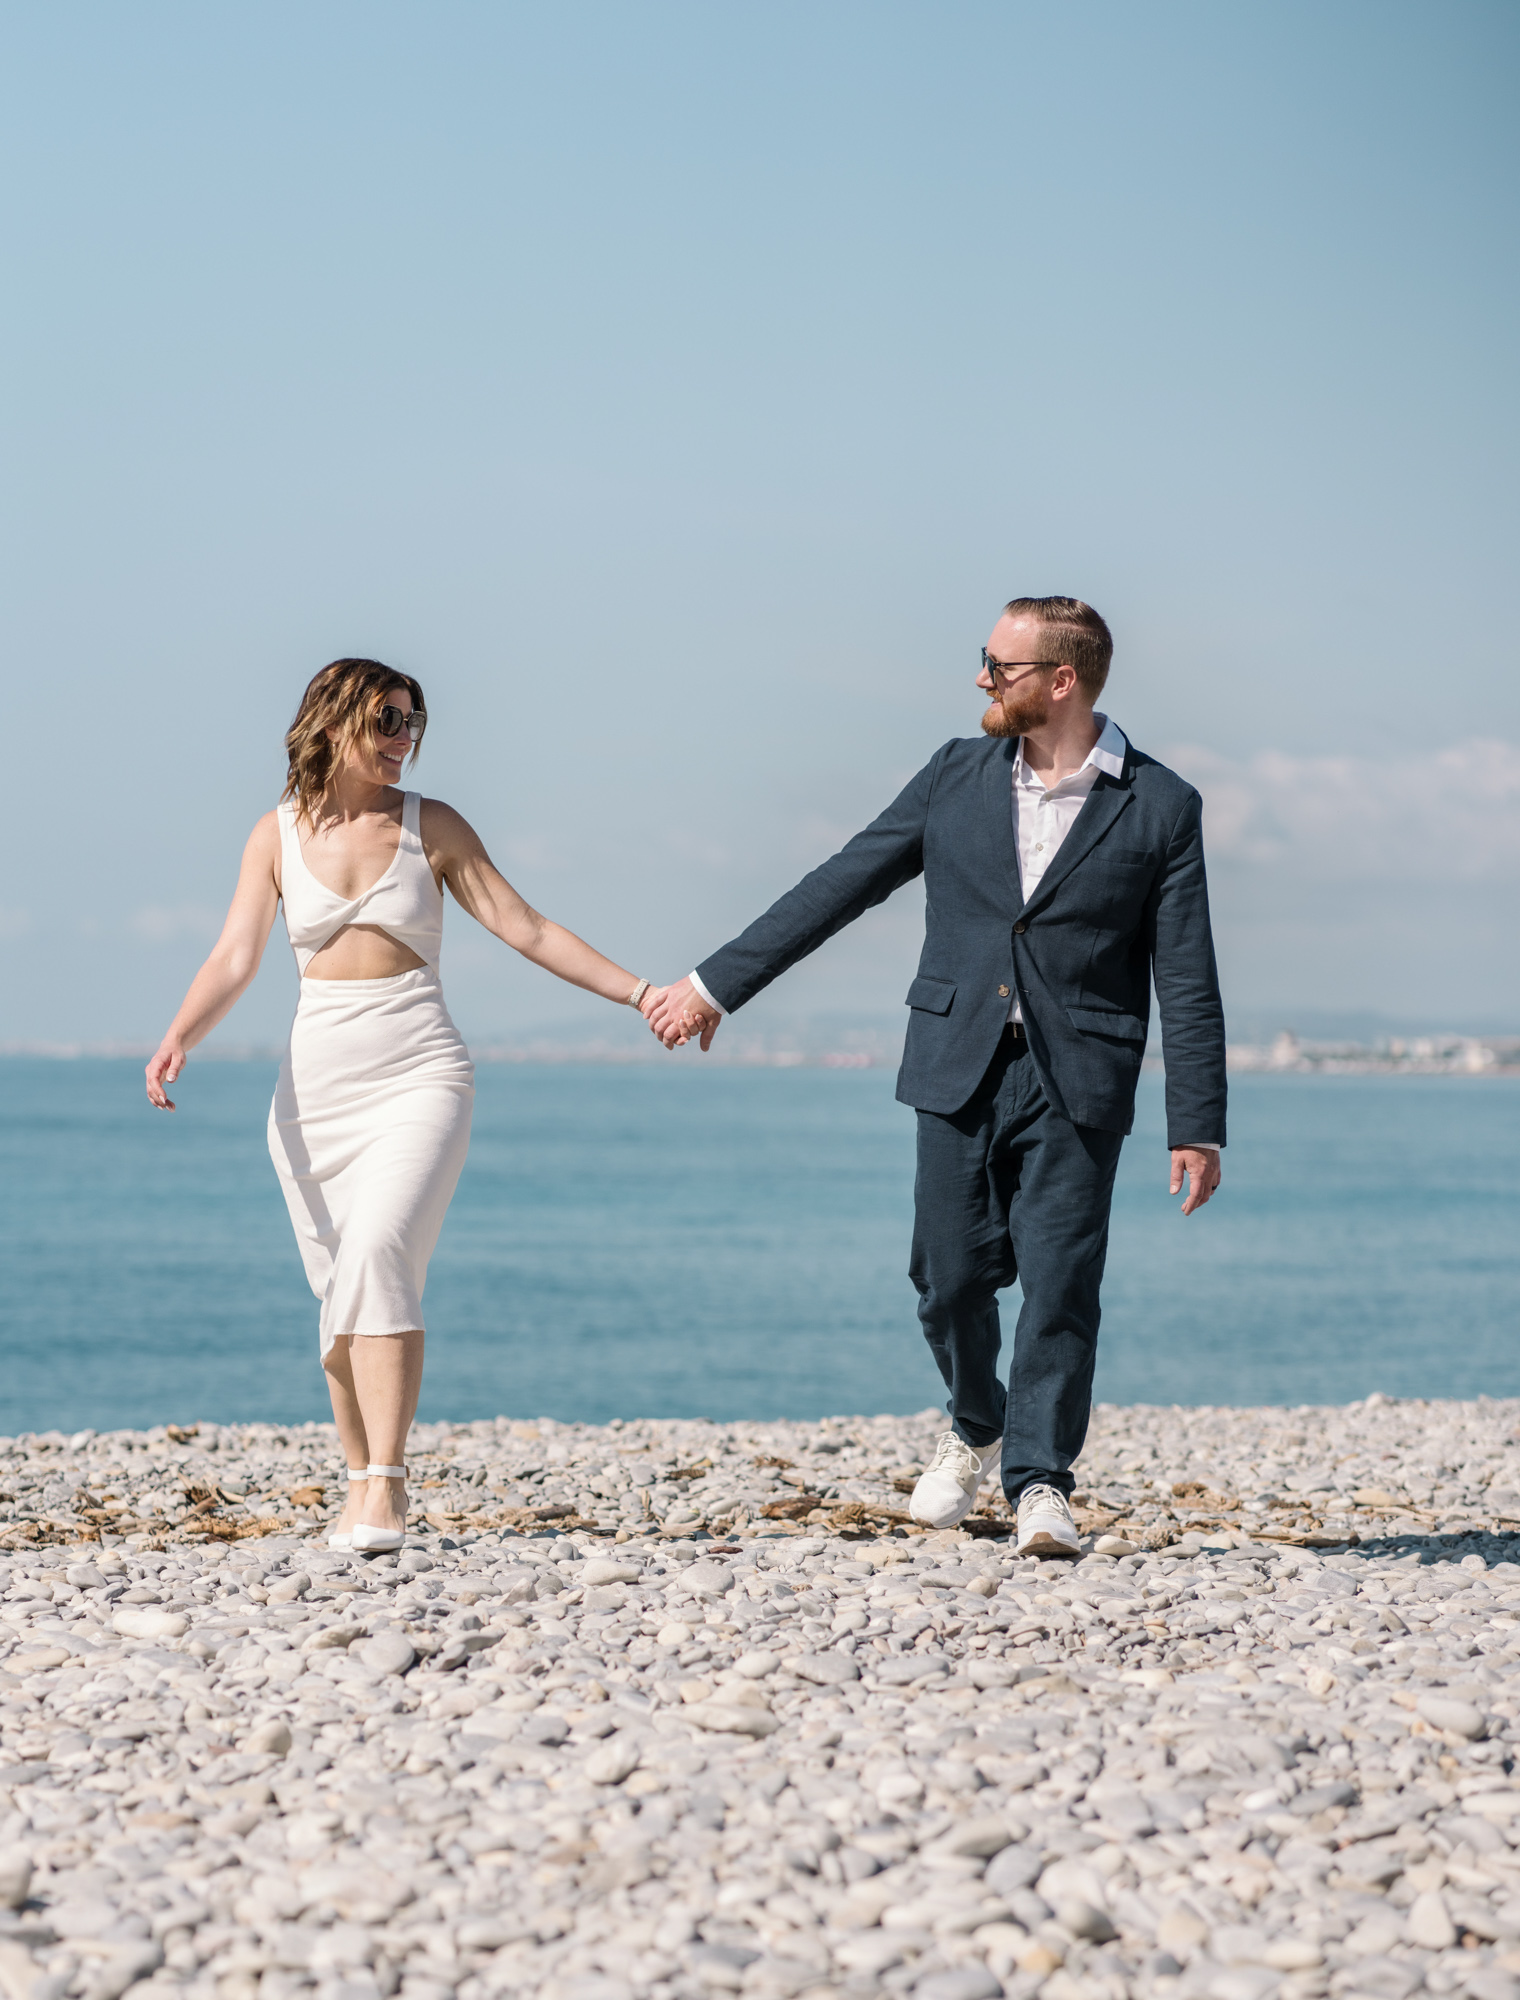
[371,1116]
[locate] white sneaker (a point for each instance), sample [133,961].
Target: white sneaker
[948,1490]
[1045,1524]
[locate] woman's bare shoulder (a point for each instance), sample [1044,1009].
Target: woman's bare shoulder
[444,830]
[261,852]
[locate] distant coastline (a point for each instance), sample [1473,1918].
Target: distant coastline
[1286,1054]
[1416,1055]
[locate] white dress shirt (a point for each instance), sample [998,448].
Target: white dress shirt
[1042,818]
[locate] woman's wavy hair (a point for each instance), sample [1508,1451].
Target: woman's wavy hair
[345,697]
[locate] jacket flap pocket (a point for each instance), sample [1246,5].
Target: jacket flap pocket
[1106,1021]
[932,996]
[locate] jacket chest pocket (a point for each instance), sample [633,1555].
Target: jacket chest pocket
[1129,866]
[931,996]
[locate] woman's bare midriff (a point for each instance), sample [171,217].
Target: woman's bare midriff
[362,951]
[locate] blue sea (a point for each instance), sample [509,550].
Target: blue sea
[685,1239]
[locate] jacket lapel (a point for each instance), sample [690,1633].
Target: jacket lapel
[997,788]
[1102,806]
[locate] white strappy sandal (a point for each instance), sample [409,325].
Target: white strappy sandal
[379,1541]
[339,1540]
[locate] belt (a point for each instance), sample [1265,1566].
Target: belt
[1016,1030]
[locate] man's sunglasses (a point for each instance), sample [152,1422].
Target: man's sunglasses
[392,720]
[1004,670]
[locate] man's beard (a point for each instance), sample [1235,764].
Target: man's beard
[1019,716]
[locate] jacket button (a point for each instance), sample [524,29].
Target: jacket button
[1002,993]
[1018,930]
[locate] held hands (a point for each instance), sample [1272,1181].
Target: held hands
[164,1068]
[681,1014]
[1201,1167]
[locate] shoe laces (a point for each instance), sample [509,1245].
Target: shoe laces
[953,1454]
[1045,1499]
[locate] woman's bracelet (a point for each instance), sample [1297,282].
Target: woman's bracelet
[636,997]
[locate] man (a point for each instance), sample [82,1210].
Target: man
[1063,870]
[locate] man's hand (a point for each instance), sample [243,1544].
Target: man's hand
[682,1014]
[1201,1165]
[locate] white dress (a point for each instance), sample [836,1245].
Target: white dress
[370,1122]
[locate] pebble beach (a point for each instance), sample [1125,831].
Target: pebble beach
[686,1709]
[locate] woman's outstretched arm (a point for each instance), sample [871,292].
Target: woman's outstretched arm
[234,959]
[481,889]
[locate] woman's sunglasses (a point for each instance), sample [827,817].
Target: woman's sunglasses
[392,720]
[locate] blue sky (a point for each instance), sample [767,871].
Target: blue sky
[679,390]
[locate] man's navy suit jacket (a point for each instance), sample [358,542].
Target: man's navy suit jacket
[1124,899]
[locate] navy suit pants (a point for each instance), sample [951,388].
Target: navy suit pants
[1008,1190]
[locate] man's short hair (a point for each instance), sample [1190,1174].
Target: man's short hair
[1072,634]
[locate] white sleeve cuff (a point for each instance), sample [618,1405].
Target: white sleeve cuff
[702,992]
[1198,1146]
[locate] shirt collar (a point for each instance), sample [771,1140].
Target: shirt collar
[1106,755]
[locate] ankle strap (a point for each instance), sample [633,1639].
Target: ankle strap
[357,1475]
[386,1472]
